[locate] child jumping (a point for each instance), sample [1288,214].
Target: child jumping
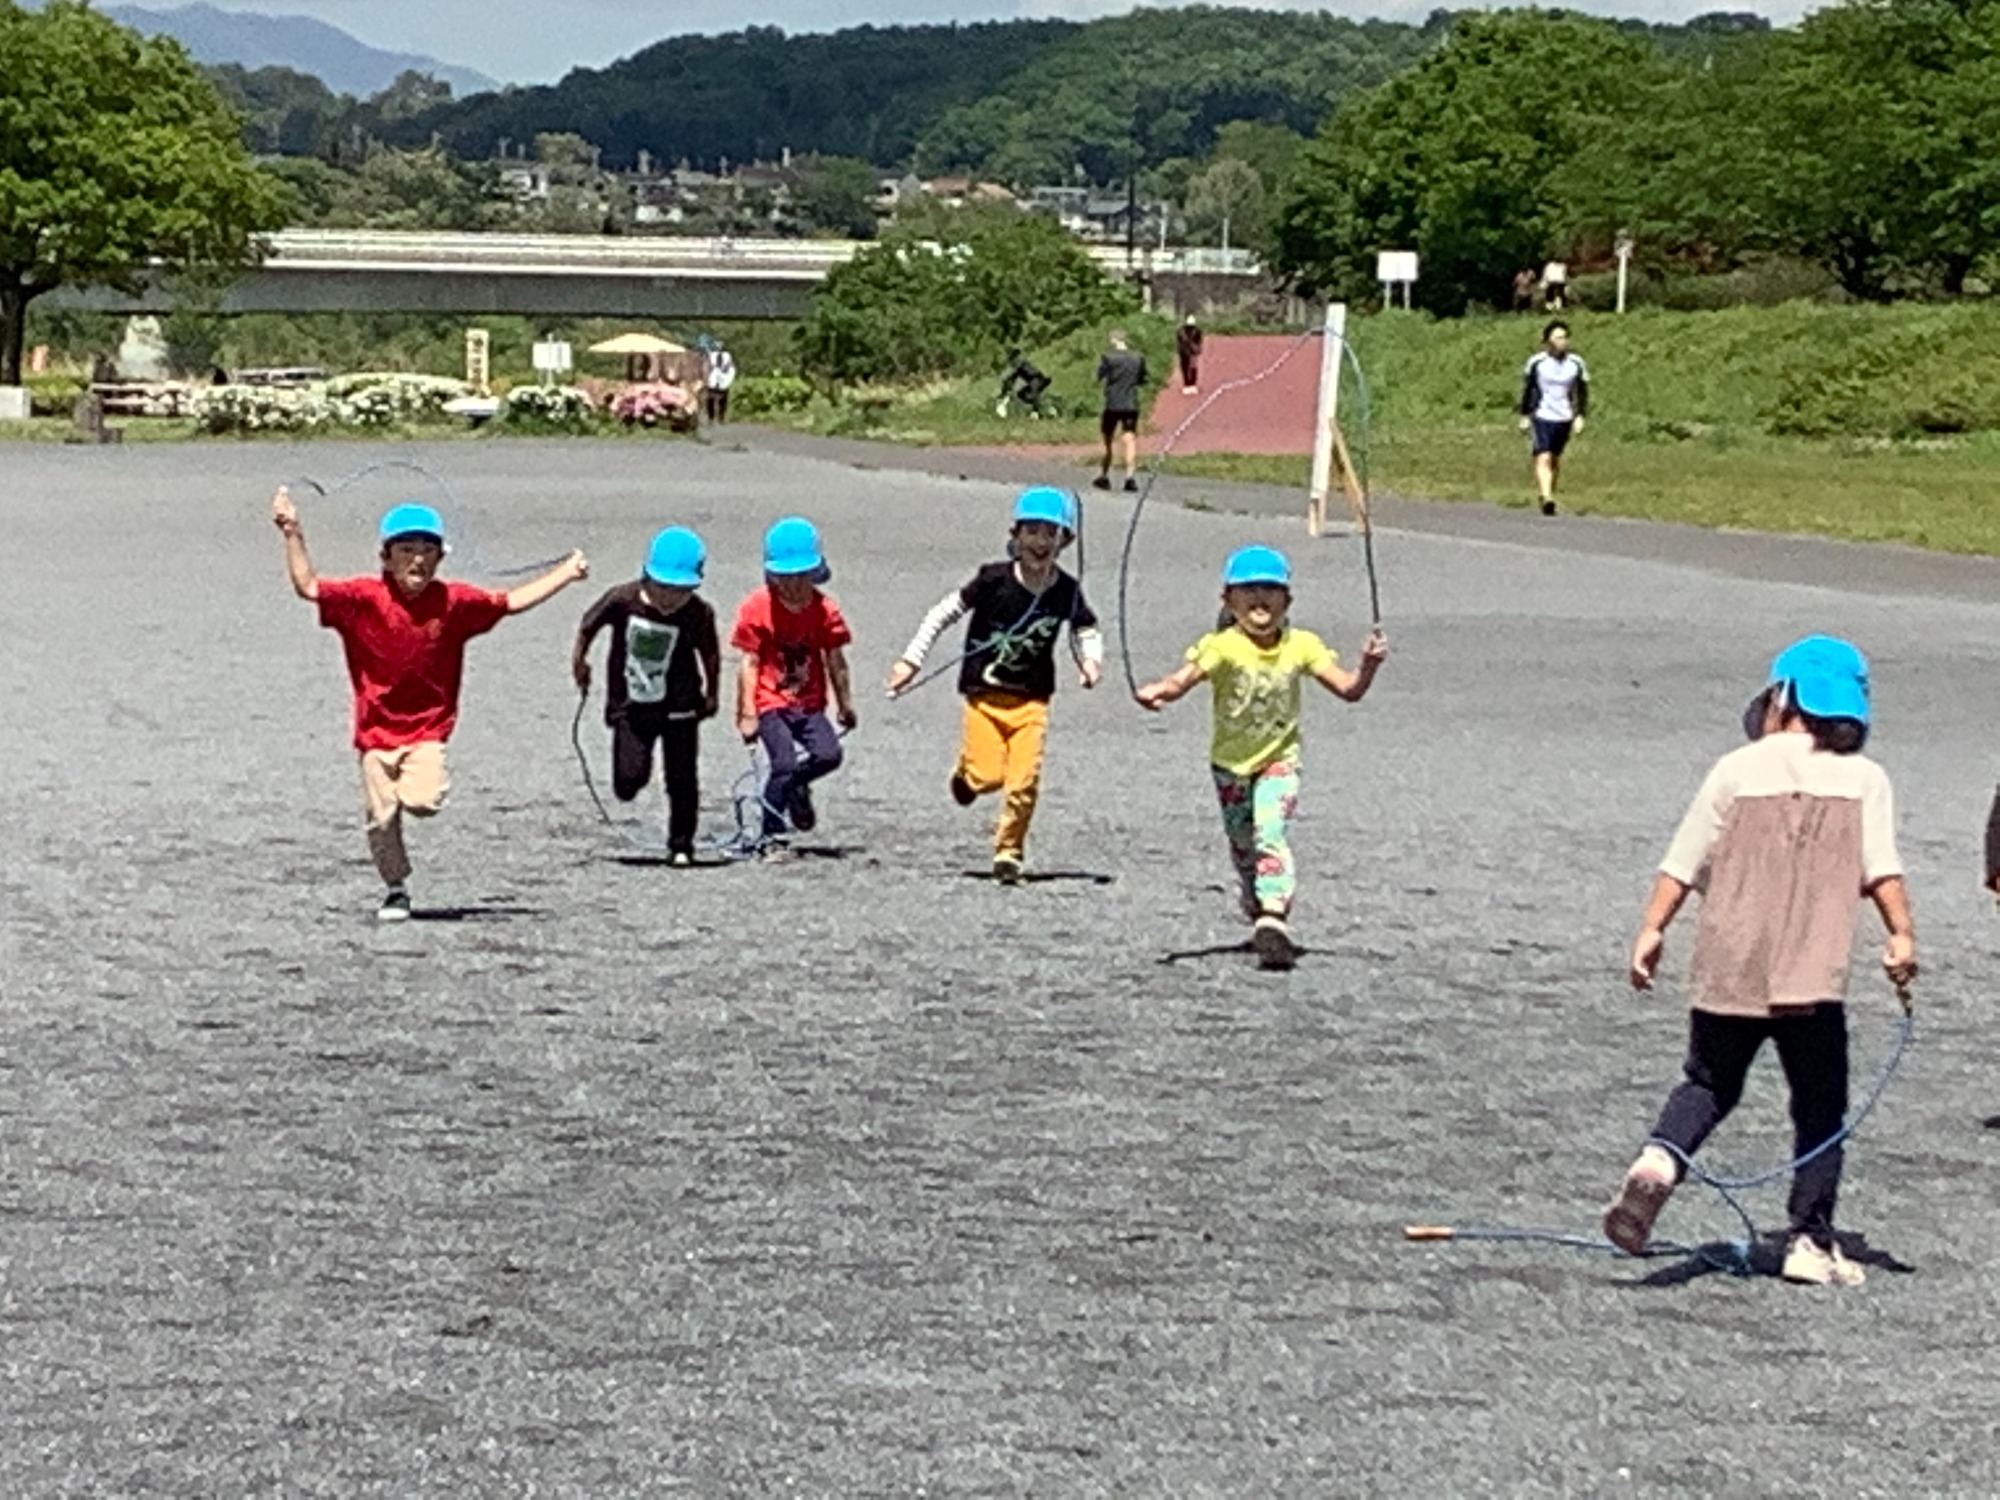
[1008,673]
[1783,839]
[1255,662]
[404,632]
[663,678]
[792,645]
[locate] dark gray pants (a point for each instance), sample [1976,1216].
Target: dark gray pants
[1812,1049]
[802,748]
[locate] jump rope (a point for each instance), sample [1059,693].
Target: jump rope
[1738,1258]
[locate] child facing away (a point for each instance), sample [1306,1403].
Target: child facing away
[792,649]
[1783,839]
[404,633]
[1254,663]
[662,679]
[1008,672]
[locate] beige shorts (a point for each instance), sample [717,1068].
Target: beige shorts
[410,779]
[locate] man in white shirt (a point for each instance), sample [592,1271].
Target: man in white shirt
[1555,394]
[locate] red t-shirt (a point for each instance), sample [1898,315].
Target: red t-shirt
[405,656]
[791,647]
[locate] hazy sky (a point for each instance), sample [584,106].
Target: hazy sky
[537,40]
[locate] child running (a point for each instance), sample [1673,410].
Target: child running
[792,642]
[1008,673]
[663,678]
[1255,661]
[404,632]
[1783,839]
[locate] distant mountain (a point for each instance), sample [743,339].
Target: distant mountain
[254,40]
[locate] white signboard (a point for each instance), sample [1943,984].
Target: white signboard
[1396,265]
[478,358]
[554,357]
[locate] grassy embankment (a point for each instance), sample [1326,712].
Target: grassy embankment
[1871,423]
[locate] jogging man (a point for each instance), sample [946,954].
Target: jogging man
[1555,394]
[1122,373]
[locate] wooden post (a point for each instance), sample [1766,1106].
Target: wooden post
[1326,430]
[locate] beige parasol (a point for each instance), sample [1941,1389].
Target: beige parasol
[638,343]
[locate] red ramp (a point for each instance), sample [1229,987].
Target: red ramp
[1274,414]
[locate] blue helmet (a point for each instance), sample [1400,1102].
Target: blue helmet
[1050,506]
[792,548]
[1828,678]
[676,559]
[412,520]
[1251,565]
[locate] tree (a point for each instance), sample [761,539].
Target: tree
[954,295]
[409,96]
[415,190]
[836,195]
[116,157]
[1226,194]
[1466,158]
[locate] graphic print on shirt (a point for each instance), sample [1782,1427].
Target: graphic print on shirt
[1259,704]
[794,670]
[1010,651]
[649,649]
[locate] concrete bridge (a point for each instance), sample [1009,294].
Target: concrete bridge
[319,271]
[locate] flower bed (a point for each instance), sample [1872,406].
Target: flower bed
[655,405]
[549,408]
[261,408]
[388,398]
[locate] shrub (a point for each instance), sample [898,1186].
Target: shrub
[384,399]
[54,395]
[762,395]
[244,409]
[655,404]
[548,408]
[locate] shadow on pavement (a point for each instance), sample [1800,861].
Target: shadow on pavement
[1046,877]
[1767,1257]
[495,912]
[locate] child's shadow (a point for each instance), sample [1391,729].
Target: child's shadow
[1222,950]
[1766,1259]
[1044,877]
[479,912]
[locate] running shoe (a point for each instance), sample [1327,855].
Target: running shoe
[1101,482]
[1808,1263]
[1007,869]
[1131,485]
[1548,507]
[804,818]
[395,905]
[1273,941]
[961,790]
[680,859]
[1628,1222]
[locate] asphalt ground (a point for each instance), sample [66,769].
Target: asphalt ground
[862,1175]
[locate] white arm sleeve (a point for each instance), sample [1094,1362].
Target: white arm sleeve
[946,613]
[1089,643]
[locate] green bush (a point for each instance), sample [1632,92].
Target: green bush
[54,395]
[1766,283]
[763,395]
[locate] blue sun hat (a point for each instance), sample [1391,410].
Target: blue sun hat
[1051,506]
[676,559]
[1251,565]
[412,520]
[1823,677]
[792,550]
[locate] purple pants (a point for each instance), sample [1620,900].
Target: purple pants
[802,748]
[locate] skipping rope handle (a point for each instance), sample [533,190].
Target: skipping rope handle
[1428,1232]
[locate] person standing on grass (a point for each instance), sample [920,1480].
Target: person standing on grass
[718,379]
[1555,396]
[1122,373]
[1187,346]
[1784,838]
[404,632]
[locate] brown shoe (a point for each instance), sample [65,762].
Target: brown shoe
[1628,1222]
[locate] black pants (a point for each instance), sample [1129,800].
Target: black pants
[1812,1049]
[633,736]
[715,404]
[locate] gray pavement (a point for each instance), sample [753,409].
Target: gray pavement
[862,1175]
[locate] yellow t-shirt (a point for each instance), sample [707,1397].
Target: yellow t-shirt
[1257,694]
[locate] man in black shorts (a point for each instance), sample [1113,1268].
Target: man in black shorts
[1555,395]
[1122,373]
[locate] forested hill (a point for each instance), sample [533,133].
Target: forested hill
[1019,100]
[866,92]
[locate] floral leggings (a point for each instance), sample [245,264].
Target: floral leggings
[1256,810]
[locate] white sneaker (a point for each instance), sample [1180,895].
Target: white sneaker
[1810,1264]
[395,905]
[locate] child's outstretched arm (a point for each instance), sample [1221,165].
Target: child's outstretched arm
[1899,954]
[1353,686]
[946,613]
[842,683]
[1661,906]
[285,516]
[1155,696]
[551,583]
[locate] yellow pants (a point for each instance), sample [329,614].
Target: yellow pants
[409,779]
[1002,750]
